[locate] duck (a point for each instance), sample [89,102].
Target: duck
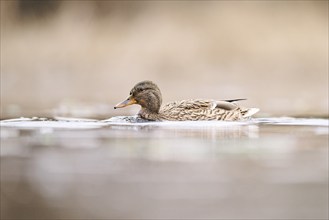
[148,95]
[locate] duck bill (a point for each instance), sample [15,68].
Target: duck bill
[129,101]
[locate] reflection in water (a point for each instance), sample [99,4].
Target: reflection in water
[100,169]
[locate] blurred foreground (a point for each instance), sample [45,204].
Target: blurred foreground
[274,168]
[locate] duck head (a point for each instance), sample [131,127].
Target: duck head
[146,94]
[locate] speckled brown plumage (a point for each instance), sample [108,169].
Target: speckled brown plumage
[148,95]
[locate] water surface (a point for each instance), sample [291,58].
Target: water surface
[265,168]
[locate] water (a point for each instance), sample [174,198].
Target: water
[265,168]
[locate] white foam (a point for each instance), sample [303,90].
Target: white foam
[134,121]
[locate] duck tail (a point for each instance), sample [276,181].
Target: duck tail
[248,112]
[233,100]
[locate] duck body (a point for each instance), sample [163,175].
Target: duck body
[194,110]
[148,95]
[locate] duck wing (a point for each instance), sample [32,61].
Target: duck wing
[226,105]
[204,110]
[200,104]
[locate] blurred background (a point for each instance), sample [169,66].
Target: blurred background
[79,58]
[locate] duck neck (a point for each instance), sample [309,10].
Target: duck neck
[149,115]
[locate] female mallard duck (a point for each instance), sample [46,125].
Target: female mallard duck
[147,94]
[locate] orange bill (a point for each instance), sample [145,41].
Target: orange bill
[129,101]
